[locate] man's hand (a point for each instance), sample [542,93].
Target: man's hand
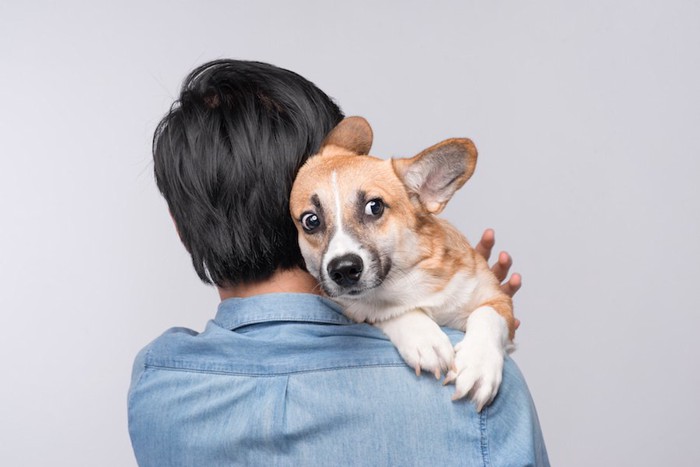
[501,267]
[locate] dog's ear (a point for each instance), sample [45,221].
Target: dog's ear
[353,135]
[436,173]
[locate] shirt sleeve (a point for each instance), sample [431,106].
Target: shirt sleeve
[139,367]
[510,428]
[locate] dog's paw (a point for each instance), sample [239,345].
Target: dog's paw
[428,351]
[478,368]
[421,342]
[477,372]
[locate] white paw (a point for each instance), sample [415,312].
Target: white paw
[429,351]
[478,368]
[421,342]
[477,372]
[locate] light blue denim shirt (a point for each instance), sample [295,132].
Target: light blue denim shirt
[286,379]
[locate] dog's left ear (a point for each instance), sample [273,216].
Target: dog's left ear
[352,135]
[436,173]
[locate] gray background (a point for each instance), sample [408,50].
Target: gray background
[586,115]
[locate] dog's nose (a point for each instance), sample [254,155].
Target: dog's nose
[345,270]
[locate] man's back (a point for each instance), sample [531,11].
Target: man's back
[286,379]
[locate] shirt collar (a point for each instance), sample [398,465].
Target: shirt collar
[234,313]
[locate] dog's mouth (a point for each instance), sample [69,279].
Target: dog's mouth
[358,292]
[354,293]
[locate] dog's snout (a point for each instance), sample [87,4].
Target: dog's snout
[345,270]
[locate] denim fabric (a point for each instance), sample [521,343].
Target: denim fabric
[286,379]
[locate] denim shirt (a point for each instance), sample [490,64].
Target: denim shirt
[286,379]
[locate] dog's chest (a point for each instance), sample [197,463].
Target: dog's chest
[452,305]
[448,303]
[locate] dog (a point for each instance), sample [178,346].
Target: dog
[369,234]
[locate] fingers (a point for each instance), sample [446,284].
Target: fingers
[513,285]
[485,245]
[502,266]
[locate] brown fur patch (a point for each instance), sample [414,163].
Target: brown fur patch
[503,304]
[353,134]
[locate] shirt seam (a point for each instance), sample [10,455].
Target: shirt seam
[484,443]
[269,375]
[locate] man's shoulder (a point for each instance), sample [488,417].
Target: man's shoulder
[150,355]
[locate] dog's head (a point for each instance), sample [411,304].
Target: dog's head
[359,217]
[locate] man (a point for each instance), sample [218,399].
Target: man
[280,376]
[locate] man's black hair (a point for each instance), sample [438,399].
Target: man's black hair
[225,158]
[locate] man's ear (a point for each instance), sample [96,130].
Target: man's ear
[353,135]
[436,173]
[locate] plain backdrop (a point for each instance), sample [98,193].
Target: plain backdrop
[587,119]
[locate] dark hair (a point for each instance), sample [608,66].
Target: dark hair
[225,157]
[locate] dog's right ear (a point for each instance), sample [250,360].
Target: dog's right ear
[353,135]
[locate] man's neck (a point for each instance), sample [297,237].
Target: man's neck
[282,281]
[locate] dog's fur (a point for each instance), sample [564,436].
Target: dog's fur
[401,268]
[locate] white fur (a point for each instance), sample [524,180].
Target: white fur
[479,357]
[411,291]
[338,201]
[420,341]
[341,243]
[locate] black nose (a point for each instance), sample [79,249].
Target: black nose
[345,270]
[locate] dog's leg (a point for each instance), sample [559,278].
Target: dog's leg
[420,341]
[479,356]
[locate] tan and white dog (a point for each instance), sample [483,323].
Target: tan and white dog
[369,235]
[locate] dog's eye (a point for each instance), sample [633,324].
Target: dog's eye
[310,221]
[374,207]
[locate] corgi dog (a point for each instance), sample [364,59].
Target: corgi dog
[369,234]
